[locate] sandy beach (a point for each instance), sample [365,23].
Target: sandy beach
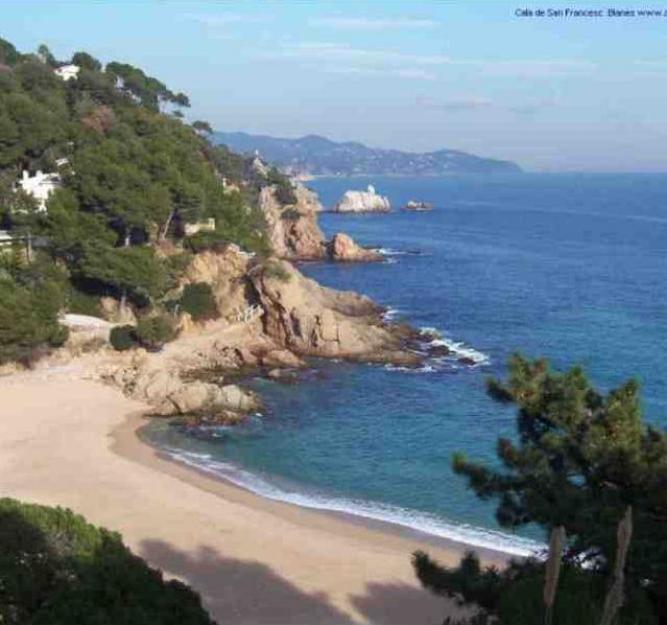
[70,441]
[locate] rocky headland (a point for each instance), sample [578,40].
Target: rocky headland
[293,318]
[295,235]
[269,319]
[363,202]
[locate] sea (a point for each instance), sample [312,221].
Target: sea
[572,267]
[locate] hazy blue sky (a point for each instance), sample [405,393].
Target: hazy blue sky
[552,94]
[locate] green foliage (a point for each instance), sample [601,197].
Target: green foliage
[154,332]
[86,61]
[514,594]
[580,459]
[56,569]
[83,303]
[123,338]
[135,176]
[135,272]
[45,55]
[284,189]
[8,53]
[198,300]
[31,297]
[148,90]
[201,126]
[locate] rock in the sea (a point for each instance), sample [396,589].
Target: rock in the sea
[343,248]
[363,202]
[412,205]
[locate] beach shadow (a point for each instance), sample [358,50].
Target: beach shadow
[399,604]
[243,592]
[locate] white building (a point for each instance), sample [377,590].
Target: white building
[67,72]
[40,186]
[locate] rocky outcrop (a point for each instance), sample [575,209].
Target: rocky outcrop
[295,234]
[343,248]
[293,230]
[162,387]
[363,202]
[225,273]
[312,320]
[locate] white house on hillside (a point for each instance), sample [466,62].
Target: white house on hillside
[67,72]
[40,186]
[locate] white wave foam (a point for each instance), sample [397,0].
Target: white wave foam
[457,348]
[422,369]
[420,521]
[391,314]
[387,251]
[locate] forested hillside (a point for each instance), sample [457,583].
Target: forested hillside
[131,175]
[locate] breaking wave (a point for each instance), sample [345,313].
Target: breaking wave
[412,519]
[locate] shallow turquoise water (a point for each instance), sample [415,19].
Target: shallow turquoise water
[571,267]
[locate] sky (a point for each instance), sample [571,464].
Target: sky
[551,93]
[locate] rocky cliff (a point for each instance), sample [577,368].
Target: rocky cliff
[297,318]
[312,320]
[293,230]
[363,202]
[295,234]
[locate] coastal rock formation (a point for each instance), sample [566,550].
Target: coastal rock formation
[295,234]
[296,318]
[225,273]
[343,248]
[161,385]
[293,230]
[363,202]
[312,320]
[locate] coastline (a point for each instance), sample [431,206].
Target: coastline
[129,443]
[253,560]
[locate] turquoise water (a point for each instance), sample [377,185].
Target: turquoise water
[571,267]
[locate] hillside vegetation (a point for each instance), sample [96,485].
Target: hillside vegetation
[133,174]
[57,569]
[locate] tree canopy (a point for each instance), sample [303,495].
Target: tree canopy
[57,569]
[131,174]
[580,461]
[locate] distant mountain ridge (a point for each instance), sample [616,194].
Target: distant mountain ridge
[319,156]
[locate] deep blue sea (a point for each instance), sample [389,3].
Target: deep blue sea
[572,267]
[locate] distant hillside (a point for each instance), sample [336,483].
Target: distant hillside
[317,155]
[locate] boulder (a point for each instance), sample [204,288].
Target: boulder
[343,248]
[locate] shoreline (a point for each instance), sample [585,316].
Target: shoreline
[68,440]
[493,555]
[128,442]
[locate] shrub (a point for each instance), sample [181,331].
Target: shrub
[154,332]
[123,338]
[29,319]
[57,569]
[203,241]
[82,303]
[285,194]
[198,300]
